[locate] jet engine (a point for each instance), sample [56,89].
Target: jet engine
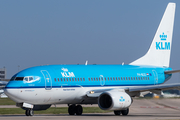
[114,100]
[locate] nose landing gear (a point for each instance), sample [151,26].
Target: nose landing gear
[29,112]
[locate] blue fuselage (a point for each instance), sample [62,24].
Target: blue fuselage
[63,76]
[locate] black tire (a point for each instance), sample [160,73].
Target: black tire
[31,112]
[79,110]
[71,109]
[117,112]
[125,112]
[27,113]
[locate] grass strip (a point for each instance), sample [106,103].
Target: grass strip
[53,110]
[6,101]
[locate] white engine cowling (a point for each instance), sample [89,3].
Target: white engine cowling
[114,100]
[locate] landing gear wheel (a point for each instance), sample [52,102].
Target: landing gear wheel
[71,109]
[79,110]
[125,112]
[29,112]
[117,112]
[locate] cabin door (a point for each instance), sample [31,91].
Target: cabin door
[47,78]
[155,77]
[102,80]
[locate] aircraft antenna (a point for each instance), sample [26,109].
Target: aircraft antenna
[86,62]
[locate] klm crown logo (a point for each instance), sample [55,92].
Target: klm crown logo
[163,45]
[121,99]
[163,37]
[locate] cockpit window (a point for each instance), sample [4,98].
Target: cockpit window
[19,78]
[30,78]
[13,78]
[26,78]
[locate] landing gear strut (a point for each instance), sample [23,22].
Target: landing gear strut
[75,109]
[124,112]
[29,112]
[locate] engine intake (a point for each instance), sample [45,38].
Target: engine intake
[114,100]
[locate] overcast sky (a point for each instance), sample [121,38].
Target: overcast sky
[40,32]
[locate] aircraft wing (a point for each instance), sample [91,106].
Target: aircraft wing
[153,88]
[96,93]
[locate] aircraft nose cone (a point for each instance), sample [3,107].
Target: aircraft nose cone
[9,92]
[12,94]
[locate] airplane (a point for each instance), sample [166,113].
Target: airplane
[112,87]
[3,84]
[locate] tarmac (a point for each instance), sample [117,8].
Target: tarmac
[141,109]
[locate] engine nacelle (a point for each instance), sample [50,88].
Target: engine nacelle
[114,100]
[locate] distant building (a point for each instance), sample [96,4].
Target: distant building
[2,73]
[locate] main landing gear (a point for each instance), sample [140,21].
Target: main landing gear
[29,112]
[123,112]
[75,109]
